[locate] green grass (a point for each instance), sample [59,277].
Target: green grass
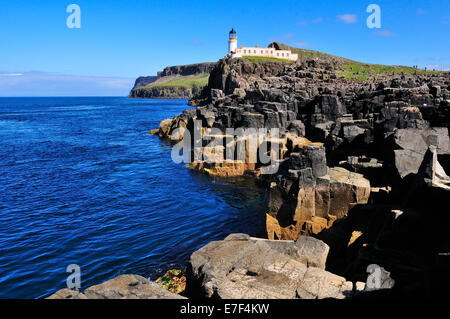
[188,81]
[351,69]
[362,71]
[304,54]
[262,59]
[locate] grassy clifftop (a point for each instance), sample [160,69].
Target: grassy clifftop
[304,54]
[351,69]
[186,81]
[173,87]
[180,81]
[363,71]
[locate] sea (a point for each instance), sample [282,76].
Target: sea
[83,183]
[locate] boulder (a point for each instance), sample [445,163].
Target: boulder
[412,144]
[254,120]
[314,203]
[216,94]
[313,157]
[397,115]
[351,129]
[297,127]
[330,106]
[244,267]
[121,287]
[164,127]
[206,115]
[67,293]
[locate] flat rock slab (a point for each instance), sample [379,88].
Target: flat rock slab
[121,287]
[249,268]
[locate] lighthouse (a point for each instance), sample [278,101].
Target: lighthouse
[232,42]
[271,52]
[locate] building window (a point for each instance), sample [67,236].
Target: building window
[245,51]
[278,54]
[287,54]
[254,51]
[271,52]
[282,54]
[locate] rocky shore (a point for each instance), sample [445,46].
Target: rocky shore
[362,164]
[240,267]
[361,180]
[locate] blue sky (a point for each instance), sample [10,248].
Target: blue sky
[120,40]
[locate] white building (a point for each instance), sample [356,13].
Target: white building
[235,52]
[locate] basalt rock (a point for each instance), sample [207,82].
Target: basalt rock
[166,92]
[410,146]
[378,130]
[312,203]
[121,287]
[409,241]
[249,268]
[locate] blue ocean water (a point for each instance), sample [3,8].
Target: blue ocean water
[82,183]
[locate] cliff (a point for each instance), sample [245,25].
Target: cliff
[363,154]
[179,82]
[185,70]
[144,81]
[362,159]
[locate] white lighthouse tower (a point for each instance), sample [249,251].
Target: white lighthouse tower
[232,42]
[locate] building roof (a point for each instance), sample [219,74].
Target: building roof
[232,31]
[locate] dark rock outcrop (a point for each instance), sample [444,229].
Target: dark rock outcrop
[190,69]
[165,92]
[362,166]
[121,287]
[249,268]
[380,128]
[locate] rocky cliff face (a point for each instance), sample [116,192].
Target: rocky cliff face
[143,88]
[143,81]
[165,92]
[370,128]
[361,165]
[187,69]
[241,267]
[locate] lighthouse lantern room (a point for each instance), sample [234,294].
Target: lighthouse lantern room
[232,42]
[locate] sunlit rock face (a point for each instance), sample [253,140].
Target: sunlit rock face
[312,204]
[248,268]
[121,287]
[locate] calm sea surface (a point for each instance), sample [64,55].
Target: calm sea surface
[82,183]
